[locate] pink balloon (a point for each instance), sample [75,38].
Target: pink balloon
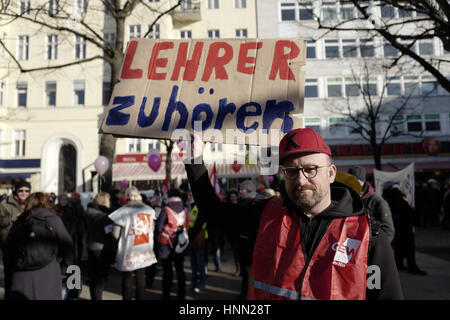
[271,179]
[101,165]
[124,183]
[154,162]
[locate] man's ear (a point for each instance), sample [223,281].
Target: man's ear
[332,173]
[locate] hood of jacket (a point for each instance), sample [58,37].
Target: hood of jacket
[367,191]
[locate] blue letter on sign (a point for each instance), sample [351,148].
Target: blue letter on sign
[276,110]
[173,106]
[143,120]
[117,118]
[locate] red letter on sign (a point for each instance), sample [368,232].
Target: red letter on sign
[280,60]
[127,72]
[156,62]
[215,62]
[190,66]
[244,59]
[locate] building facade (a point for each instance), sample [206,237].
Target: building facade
[339,63]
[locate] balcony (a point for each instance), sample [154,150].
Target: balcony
[188,11]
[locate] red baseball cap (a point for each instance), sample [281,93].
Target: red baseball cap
[302,141]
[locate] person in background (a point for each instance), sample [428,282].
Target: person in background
[134,227]
[68,216]
[233,197]
[245,244]
[81,246]
[10,209]
[197,238]
[101,245]
[375,205]
[172,221]
[44,283]
[404,243]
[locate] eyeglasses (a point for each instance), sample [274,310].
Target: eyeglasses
[23,191]
[291,173]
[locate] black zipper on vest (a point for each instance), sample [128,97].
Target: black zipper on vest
[307,256]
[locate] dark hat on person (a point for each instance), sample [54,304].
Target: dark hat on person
[359,172]
[302,140]
[19,183]
[248,185]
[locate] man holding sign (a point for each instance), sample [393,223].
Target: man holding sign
[313,242]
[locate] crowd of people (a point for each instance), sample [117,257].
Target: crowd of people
[275,235]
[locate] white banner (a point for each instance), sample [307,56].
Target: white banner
[404,177]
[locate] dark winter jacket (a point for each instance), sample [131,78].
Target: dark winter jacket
[238,217]
[10,209]
[42,284]
[378,209]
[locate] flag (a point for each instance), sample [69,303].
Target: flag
[166,186]
[215,180]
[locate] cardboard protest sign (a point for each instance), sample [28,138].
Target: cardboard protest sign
[224,90]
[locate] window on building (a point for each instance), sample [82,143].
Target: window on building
[154,33]
[405,13]
[154,144]
[19,139]
[214,34]
[240,4]
[426,47]
[331,48]
[311,88]
[80,47]
[429,85]
[2,94]
[352,87]
[213,4]
[414,123]
[370,87]
[334,87]
[22,93]
[134,145]
[411,84]
[393,86]
[347,12]
[411,45]
[313,123]
[241,33]
[349,48]
[186,34]
[287,11]
[106,92]
[53,7]
[79,89]
[110,41]
[52,47]
[23,48]
[153,0]
[329,10]
[135,31]
[367,47]
[50,93]
[24,7]
[389,50]
[81,6]
[337,127]
[397,125]
[215,146]
[387,11]
[432,122]
[305,11]
[310,49]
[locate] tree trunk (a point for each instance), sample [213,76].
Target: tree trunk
[107,141]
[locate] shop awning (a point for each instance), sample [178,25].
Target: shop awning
[141,171]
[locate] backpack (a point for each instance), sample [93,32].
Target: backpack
[37,243]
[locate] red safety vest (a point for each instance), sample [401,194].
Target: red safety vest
[337,269]
[169,233]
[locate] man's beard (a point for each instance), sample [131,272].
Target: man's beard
[305,200]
